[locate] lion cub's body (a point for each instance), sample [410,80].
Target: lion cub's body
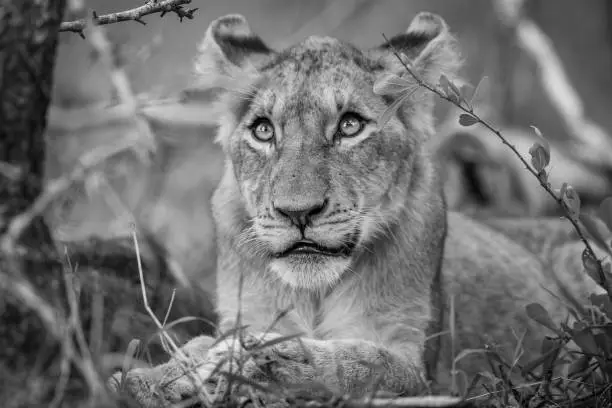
[334,225]
[491,270]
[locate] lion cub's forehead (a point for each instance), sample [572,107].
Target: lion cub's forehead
[320,71]
[317,55]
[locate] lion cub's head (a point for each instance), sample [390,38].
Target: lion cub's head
[311,178]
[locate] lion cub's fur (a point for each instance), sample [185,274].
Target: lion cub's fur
[413,255]
[381,193]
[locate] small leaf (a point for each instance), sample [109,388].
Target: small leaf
[571,200]
[451,91]
[476,379]
[579,366]
[467,120]
[467,352]
[533,364]
[537,131]
[596,229]
[607,272]
[584,339]
[482,89]
[459,384]
[592,266]
[540,157]
[391,84]
[543,142]
[465,90]
[445,85]
[391,110]
[490,376]
[549,353]
[537,312]
[602,301]
[601,339]
[543,176]
[453,87]
[605,212]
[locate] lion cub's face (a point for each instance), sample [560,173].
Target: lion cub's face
[313,168]
[318,178]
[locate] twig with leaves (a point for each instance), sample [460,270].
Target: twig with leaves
[566,197]
[589,331]
[136,14]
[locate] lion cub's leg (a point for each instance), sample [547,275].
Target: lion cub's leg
[351,366]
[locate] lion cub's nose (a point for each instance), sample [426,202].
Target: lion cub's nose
[300,213]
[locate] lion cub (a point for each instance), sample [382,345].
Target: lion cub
[334,227]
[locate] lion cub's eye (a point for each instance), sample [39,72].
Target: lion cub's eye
[350,125]
[262,129]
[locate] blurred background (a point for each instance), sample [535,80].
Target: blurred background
[547,63]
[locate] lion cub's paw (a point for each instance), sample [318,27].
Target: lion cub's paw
[152,387]
[268,365]
[246,368]
[259,364]
[178,380]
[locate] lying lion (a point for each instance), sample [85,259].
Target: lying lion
[333,225]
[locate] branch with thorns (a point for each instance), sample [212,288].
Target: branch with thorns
[135,14]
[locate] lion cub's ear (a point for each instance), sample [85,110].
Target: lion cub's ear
[429,46]
[229,52]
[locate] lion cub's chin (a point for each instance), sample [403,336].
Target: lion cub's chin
[310,271]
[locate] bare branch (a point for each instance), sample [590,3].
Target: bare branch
[136,14]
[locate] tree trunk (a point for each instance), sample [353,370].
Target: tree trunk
[35,303]
[28,43]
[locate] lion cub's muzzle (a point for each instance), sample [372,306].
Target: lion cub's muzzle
[301,214]
[312,227]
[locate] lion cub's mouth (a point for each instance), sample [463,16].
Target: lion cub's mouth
[308,247]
